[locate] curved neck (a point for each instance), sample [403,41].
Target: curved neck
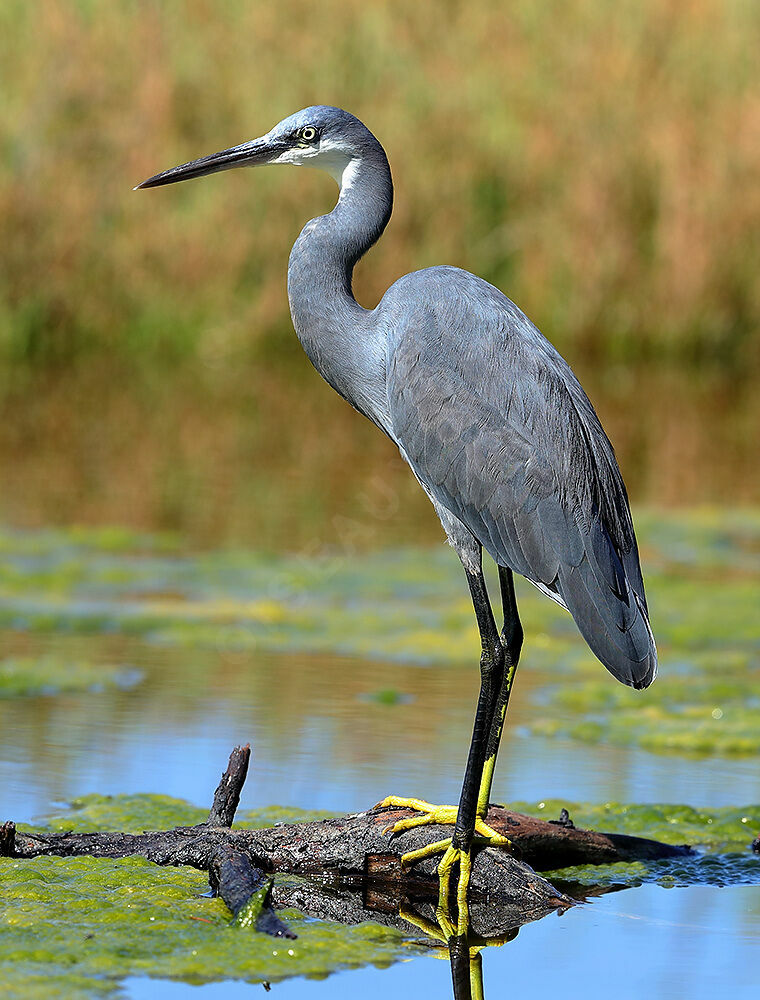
[323,258]
[337,334]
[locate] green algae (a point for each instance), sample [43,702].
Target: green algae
[95,921]
[410,606]
[702,707]
[48,675]
[85,923]
[720,870]
[80,925]
[727,829]
[129,813]
[145,811]
[722,838]
[251,912]
[387,696]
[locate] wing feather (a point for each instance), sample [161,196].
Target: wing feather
[499,431]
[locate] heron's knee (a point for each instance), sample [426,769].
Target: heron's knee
[492,658]
[512,641]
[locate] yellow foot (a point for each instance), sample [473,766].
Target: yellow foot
[445,815]
[452,857]
[455,856]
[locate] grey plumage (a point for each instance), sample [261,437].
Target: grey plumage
[495,424]
[490,418]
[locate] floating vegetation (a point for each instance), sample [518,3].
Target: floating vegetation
[136,813]
[722,835]
[387,696]
[727,829]
[410,606]
[718,870]
[702,703]
[49,676]
[129,813]
[81,924]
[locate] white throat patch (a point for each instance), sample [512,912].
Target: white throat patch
[348,175]
[339,162]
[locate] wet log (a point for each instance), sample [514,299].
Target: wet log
[354,850]
[355,846]
[350,848]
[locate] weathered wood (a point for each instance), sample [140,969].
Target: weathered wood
[7,840]
[357,846]
[227,794]
[238,883]
[547,846]
[356,853]
[351,847]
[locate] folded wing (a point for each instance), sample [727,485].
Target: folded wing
[497,427]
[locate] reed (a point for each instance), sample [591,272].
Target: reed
[599,162]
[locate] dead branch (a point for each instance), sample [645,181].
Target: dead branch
[348,851]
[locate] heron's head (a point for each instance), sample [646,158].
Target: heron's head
[323,137]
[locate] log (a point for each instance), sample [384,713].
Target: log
[347,848]
[356,861]
[227,794]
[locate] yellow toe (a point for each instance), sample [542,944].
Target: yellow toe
[440,815]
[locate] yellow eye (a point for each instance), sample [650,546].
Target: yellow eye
[309,133]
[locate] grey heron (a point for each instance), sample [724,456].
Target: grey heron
[493,423]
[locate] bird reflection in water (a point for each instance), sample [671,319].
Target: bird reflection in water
[463,951]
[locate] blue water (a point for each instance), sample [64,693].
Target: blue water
[317,743]
[697,944]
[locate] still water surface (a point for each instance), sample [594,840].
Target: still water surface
[318,742]
[219,649]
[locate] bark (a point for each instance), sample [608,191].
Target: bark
[227,794]
[354,853]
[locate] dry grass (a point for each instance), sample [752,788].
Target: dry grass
[599,162]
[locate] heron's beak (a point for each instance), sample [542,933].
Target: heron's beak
[247,154]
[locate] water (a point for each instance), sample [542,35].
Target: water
[699,943]
[318,742]
[340,732]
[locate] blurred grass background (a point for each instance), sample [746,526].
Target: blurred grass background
[600,163]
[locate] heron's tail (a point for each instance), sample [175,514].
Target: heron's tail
[611,616]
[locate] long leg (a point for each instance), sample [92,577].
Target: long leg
[465,818]
[459,851]
[511,643]
[491,686]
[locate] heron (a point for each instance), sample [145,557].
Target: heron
[493,424]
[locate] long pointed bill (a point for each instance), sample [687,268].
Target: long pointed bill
[248,154]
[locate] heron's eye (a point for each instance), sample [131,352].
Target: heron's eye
[308,133]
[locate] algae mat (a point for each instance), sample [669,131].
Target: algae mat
[77,926]
[703,581]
